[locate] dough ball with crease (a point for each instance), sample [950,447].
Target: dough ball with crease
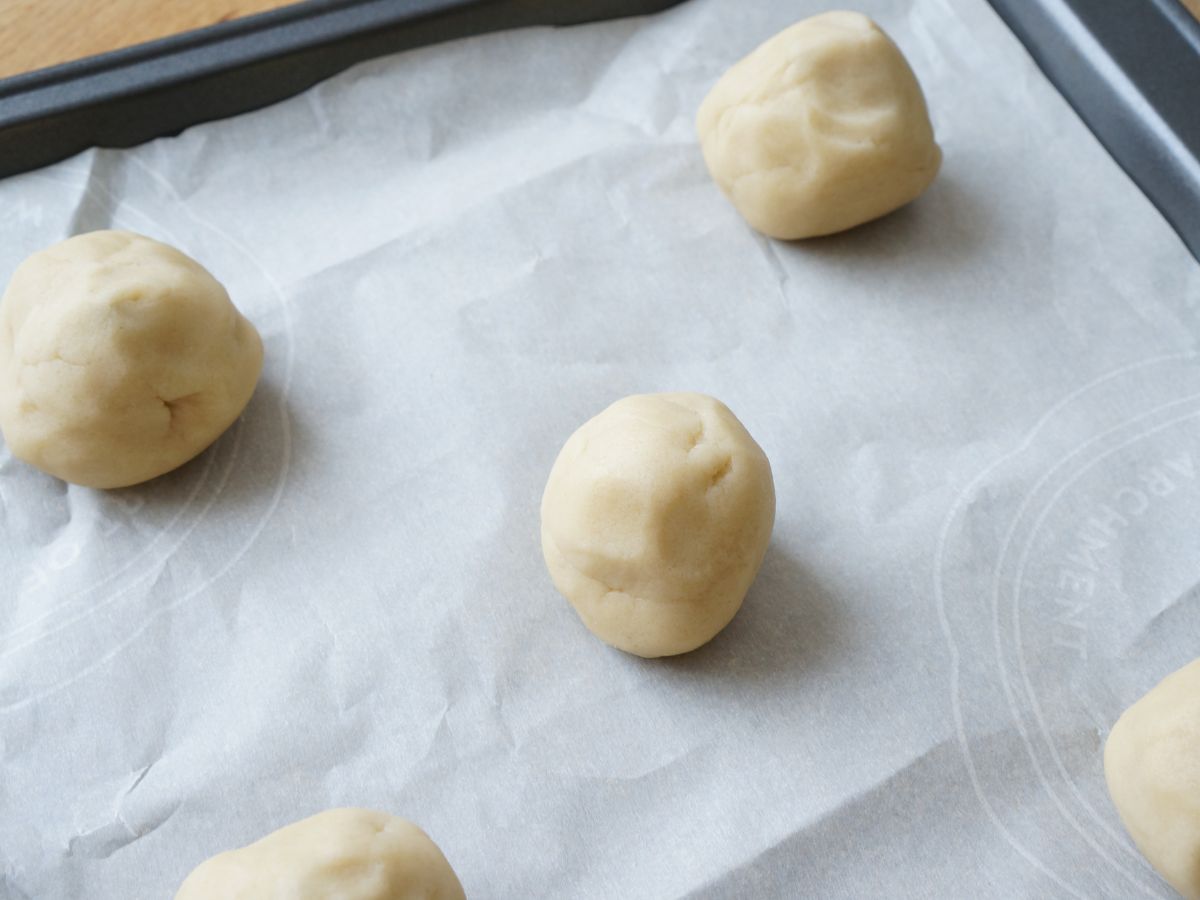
[1152,766]
[339,854]
[120,359]
[655,519]
[821,128]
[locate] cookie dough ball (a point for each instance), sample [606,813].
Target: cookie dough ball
[655,519]
[120,359]
[820,129]
[340,854]
[1152,765]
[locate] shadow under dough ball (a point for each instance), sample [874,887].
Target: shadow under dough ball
[121,358]
[351,854]
[821,128]
[1152,766]
[655,519]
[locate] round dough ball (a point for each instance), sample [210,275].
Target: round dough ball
[820,129]
[655,519]
[1152,765]
[340,854]
[120,359]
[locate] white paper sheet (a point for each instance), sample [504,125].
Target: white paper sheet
[982,414]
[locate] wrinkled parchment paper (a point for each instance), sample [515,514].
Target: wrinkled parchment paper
[982,413]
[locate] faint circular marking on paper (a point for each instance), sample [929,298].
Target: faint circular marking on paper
[1022,570]
[94,589]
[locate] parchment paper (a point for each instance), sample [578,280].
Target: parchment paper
[982,414]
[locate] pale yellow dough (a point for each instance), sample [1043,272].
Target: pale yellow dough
[655,519]
[1152,765]
[821,128]
[340,854]
[120,359]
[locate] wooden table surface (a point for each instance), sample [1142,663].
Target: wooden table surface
[39,33]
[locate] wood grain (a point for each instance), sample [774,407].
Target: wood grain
[39,33]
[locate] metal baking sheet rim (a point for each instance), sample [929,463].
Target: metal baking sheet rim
[1124,66]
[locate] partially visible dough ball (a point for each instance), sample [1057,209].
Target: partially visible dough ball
[821,128]
[120,359]
[655,519]
[340,854]
[1152,765]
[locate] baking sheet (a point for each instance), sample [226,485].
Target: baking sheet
[981,412]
